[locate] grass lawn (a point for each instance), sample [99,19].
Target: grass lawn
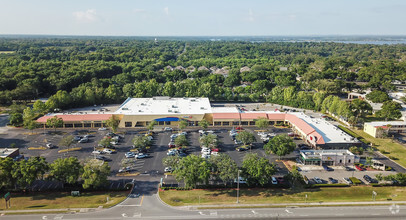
[269,196]
[395,150]
[60,200]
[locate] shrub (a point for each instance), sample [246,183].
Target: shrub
[384,152]
[330,185]
[393,158]
[355,180]
[388,168]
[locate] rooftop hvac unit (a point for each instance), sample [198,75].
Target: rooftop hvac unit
[140,110]
[202,108]
[125,108]
[174,106]
[176,112]
[169,110]
[142,103]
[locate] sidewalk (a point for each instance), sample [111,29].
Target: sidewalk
[270,205]
[50,210]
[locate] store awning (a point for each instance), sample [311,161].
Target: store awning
[168,119]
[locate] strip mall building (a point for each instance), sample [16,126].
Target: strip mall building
[166,111]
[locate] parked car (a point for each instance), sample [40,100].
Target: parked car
[107,151]
[129,155]
[359,168]
[216,150]
[240,180]
[242,148]
[347,180]
[83,140]
[168,169]
[349,169]
[50,146]
[206,156]
[332,180]
[171,153]
[103,158]
[280,180]
[97,152]
[171,145]
[168,129]
[317,180]
[102,129]
[141,156]
[369,179]
[77,138]
[125,169]
[274,181]
[327,168]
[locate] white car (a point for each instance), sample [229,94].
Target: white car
[50,146]
[168,169]
[317,180]
[171,153]
[97,152]
[240,180]
[168,129]
[274,181]
[206,156]
[102,129]
[107,151]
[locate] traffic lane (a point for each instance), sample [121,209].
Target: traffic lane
[157,153]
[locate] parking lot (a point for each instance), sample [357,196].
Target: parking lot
[158,150]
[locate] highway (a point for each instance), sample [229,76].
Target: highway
[143,203]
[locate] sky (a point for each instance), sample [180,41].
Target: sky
[203,17]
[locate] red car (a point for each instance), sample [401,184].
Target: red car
[239,128]
[171,145]
[215,150]
[359,168]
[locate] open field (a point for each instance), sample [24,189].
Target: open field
[395,150]
[264,196]
[60,200]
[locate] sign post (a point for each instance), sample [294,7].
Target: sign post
[7,197]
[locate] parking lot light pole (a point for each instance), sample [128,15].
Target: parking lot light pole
[238,185]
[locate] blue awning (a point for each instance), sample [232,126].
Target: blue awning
[168,119]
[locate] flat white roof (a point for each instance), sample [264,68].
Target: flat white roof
[383,123]
[224,110]
[329,132]
[325,152]
[163,105]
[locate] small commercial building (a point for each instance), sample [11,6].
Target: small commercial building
[328,157]
[380,129]
[9,152]
[78,120]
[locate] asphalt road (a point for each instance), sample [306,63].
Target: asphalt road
[143,203]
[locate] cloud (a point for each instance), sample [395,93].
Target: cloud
[139,10]
[292,17]
[166,10]
[86,16]
[251,15]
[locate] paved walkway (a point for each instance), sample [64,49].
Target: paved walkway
[195,207]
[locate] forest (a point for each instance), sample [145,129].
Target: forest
[74,72]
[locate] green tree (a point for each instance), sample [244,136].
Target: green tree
[280,145]
[66,170]
[294,176]
[204,123]
[39,107]
[356,150]
[113,123]
[257,170]
[6,171]
[182,124]
[209,141]
[171,161]
[378,96]
[390,110]
[192,170]
[54,122]
[27,171]
[28,119]
[95,174]
[105,142]
[224,168]
[152,125]
[245,137]
[262,123]
[181,140]
[67,141]
[360,108]
[141,142]
[16,119]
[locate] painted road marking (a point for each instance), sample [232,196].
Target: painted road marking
[288,211]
